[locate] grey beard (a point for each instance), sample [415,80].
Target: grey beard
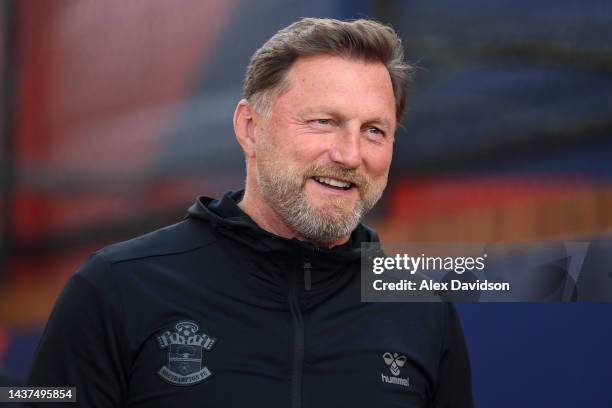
[289,202]
[316,225]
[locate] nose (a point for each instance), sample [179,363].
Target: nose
[346,150]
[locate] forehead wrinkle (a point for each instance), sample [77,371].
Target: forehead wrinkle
[303,80]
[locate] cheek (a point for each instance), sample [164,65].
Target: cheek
[377,163]
[304,149]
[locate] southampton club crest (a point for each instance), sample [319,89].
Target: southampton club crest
[185,354]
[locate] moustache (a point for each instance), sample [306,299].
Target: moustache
[354,176]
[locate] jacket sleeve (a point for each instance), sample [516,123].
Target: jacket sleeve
[454,387]
[84,344]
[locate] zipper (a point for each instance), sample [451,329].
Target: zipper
[307,274]
[308,268]
[298,355]
[298,325]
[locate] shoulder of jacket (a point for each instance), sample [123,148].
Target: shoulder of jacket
[183,236]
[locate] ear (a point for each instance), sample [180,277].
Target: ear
[245,120]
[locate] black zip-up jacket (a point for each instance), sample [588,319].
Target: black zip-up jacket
[216,312]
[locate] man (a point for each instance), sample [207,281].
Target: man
[254,298]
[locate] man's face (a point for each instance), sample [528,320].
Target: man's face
[324,152]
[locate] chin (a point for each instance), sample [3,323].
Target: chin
[330,210]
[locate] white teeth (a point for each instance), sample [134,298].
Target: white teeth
[333,182]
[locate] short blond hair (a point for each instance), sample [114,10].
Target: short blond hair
[360,39]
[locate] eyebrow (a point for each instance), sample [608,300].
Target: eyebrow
[318,109]
[379,121]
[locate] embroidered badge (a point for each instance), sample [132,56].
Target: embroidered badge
[185,354]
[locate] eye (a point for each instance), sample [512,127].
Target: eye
[375,131]
[322,124]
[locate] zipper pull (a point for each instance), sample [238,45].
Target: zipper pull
[307,274]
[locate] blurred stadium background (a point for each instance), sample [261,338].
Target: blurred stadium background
[116,115]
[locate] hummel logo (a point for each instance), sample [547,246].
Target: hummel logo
[395,363]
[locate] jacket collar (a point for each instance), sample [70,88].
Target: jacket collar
[225,213]
[276,260]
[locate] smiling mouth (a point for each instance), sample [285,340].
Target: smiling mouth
[334,183]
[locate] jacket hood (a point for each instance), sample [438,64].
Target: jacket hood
[275,262]
[225,214]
